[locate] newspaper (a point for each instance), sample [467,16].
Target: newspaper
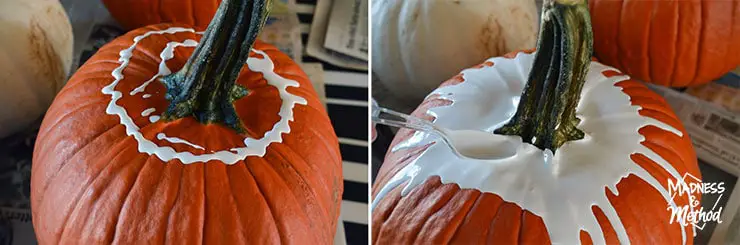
[347,31]
[317,37]
[715,133]
[283,29]
[729,231]
[724,93]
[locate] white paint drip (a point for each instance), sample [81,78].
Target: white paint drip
[175,140]
[146,96]
[484,145]
[147,112]
[560,188]
[166,54]
[267,68]
[253,147]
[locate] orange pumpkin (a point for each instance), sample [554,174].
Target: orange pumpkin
[594,152]
[234,148]
[675,43]
[132,14]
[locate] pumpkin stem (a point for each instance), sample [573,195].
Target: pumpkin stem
[546,115]
[206,85]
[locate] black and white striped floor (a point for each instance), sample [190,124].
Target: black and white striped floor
[347,96]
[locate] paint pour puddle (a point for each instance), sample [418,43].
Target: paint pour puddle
[481,145]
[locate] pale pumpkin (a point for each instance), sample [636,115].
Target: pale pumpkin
[171,136]
[35,58]
[591,153]
[417,45]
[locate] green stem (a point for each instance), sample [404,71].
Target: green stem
[206,85]
[546,115]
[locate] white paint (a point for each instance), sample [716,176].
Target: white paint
[253,147]
[469,30]
[560,188]
[146,96]
[175,140]
[166,54]
[147,112]
[36,50]
[478,144]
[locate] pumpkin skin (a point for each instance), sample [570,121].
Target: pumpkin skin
[90,184]
[672,43]
[132,14]
[436,212]
[417,45]
[35,58]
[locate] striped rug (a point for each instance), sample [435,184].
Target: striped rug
[347,96]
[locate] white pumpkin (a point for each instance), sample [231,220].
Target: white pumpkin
[35,58]
[417,44]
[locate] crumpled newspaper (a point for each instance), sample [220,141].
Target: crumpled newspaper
[317,37]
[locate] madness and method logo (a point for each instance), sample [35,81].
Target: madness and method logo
[693,213]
